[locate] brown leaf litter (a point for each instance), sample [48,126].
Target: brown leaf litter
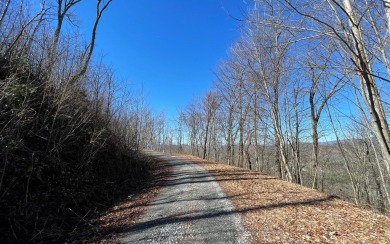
[276,211]
[272,210]
[113,224]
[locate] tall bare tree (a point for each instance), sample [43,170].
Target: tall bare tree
[210,105]
[322,85]
[270,43]
[63,8]
[348,29]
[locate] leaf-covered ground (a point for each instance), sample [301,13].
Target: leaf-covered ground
[112,224]
[276,211]
[272,210]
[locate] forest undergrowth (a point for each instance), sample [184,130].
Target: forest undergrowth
[68,147]
[55,172]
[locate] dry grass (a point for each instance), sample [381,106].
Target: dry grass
[276,211]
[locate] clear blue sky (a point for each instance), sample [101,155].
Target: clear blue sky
[168,47]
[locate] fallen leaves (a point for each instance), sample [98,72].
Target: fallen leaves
[276,211]
[114,222]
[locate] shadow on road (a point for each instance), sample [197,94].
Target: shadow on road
[200,177]
[180,218]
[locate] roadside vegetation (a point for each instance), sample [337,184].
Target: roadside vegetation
[69,139]
[276,211]
[303,95]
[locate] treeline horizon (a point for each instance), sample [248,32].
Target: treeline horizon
[300,73]
[71,136]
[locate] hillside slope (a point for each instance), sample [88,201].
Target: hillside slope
[60,161]
[277,211]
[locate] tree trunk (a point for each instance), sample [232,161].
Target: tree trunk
[277,157]
[315,152]
[241,144]
[205,140]
[229,137]
[314,124]
[368,86]
[386,4]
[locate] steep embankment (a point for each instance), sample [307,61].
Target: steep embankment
[60,161]
[275,211]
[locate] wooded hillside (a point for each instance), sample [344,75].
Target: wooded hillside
[303,95]
[68,139]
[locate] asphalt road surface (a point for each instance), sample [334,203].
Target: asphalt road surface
[191,208]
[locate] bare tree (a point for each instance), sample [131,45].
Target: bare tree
[4,10]
[269,44]
[386,5]
[193,122]
[210,105]
[63,8]
[226,90]
[348,30]
[295,60]
[180,131]
[323,86]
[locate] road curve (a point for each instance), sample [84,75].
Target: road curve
[191,208]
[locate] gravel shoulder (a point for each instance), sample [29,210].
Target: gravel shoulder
[191,208]
[269,209]
[276,211]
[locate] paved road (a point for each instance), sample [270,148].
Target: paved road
[191,208]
